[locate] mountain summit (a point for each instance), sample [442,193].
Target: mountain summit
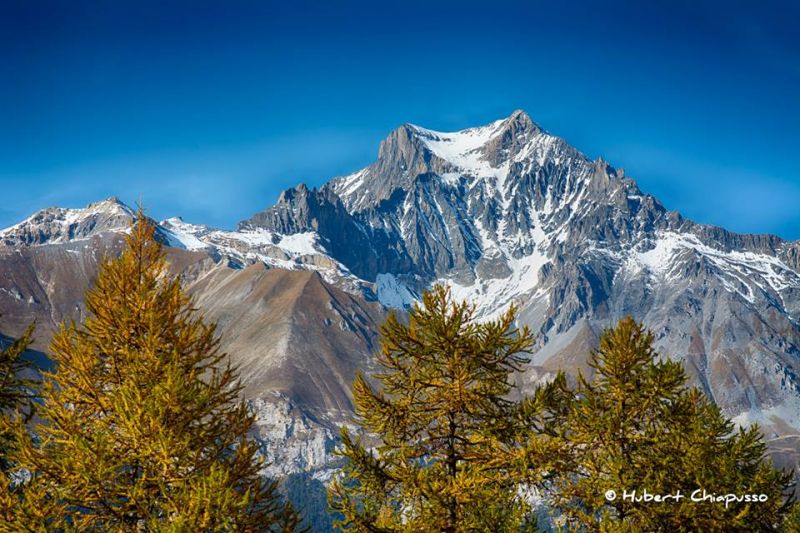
[507,212]
[503,213]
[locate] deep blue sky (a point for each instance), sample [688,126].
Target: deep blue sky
[209,109]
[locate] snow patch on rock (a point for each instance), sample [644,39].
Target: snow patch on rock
[392,293]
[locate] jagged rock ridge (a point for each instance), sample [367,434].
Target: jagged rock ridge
[510,213]
[503,213]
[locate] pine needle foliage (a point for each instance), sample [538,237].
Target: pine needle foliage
[17,392]
[636,426]
[791,522]
[453,448]
[142,428]
[17,400]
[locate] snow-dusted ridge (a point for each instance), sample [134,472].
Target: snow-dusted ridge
[508,213]
[298,251]
[484,157]
[748,274]
[57,225]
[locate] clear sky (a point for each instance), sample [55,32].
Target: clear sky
[209,109]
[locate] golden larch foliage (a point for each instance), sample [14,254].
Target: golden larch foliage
[141,427]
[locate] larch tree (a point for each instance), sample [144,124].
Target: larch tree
[637,429]
[452,450]
[141,426]
[17,391]
[17,397]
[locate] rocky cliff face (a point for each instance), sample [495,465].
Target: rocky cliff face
[509,213]
[502,213]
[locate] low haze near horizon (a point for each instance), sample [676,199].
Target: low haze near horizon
[208,110]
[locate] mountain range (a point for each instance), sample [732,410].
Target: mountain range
[503,213]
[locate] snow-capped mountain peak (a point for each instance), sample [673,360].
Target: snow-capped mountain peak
[508,213]
[57,224]
[478,150]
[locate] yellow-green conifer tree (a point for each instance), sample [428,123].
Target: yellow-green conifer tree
[142,428]
[637,427]
[17,391]
[453,448]
[17,395]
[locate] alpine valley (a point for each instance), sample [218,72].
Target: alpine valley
[503,213]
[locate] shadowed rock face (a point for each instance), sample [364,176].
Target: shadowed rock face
[504,213]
